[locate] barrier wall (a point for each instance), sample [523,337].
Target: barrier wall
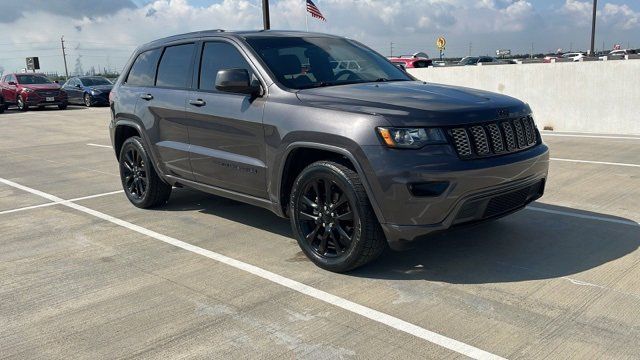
[595,97]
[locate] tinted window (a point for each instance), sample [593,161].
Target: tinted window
[173,70]
[94,81]
[143,71]
[305,62]
[217,56]
[33,79]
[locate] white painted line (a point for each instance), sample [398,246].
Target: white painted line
[584,216]
[98,145]
[375,315]
[595,162]
[590,136]
[60,202]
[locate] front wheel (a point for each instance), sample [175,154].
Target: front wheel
[87,100]
[332,218]
[140,182]
[22,106]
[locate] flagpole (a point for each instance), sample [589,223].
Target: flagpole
[306,20]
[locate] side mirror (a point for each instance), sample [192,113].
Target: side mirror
[236,81]
[78,86]
[12,83]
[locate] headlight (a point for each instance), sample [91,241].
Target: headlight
[95,92]
[411,138]
[28,90]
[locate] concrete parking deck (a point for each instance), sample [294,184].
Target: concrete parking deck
[207,277]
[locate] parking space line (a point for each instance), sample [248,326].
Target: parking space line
[595,162]
[583,216]
[60,202]
[98,145]
[591,136]
[375,315]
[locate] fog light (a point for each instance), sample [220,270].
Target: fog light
[431,188]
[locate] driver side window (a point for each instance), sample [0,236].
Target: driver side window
[217,56]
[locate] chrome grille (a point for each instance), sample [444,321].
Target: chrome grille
[494,138]
[48,93]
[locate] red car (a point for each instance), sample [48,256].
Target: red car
[410,62]
[31,90]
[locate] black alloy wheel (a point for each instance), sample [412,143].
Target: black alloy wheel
[332,218]
[141,183]
[326,217]
[135,173]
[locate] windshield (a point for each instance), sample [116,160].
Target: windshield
[32,79]
[93,81]
[302,63]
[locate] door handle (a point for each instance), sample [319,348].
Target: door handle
[198,102]
[146,97]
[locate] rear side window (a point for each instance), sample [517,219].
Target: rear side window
[174,67]
[143,71]
[218,56]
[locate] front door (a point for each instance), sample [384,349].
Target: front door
[225,131]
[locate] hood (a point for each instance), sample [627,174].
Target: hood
[100,87]
[53,86]
[415,103]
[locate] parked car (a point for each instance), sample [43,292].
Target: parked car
[618,54]
[475,60]
[88,90]
[31,90]
[356,159]
[574,56]
[411,62]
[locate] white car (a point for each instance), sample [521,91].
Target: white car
[618,53]
[575,56]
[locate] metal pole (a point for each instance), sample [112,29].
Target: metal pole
[593,28]
[64,57]
[265,14]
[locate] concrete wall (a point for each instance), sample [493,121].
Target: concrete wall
[597,97]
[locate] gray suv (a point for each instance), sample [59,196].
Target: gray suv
[358,158]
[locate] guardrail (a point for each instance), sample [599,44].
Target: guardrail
[589,96]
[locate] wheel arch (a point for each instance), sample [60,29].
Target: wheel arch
[298,155]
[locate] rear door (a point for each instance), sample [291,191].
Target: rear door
[160,79]
[226,132]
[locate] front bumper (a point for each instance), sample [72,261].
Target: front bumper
[34,99]
[477,189]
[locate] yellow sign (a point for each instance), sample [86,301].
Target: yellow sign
[441,42]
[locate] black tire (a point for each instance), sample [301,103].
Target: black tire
[62,107]
[140,182]
[3,106]
[21,105]
[87,100]
[340,234]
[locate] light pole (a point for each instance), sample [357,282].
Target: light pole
[593,28]
[265,14]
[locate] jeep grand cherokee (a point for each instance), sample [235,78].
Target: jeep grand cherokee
[357,159]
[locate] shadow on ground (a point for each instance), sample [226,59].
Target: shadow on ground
[527,245]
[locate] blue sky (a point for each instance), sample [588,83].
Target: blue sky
[103,33]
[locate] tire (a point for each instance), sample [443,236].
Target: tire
[62,107]
[3,106]
[87,100]
[140,182]
[340,234]
[21,105]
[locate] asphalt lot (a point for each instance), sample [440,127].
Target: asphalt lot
[99,278]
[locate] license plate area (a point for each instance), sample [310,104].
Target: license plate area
[50,99]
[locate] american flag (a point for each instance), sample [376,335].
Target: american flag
[314,11]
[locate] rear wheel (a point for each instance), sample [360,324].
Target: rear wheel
[332,218]
[2,105]
[21,104]
[140,182]
[87,100]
